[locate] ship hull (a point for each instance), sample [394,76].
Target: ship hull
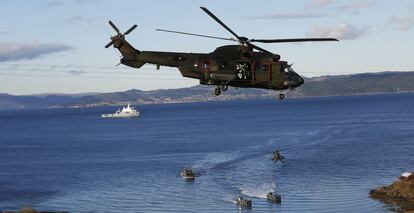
[132,115]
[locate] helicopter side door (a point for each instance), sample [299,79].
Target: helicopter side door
[262,72]
[276,75]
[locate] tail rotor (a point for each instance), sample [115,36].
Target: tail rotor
[119,36]
[113,26]
[130,30]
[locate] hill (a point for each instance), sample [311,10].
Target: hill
[365,83]
[33,102]
[357,84]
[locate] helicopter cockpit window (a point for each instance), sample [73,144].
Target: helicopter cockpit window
[288,69]
[264,67]
[206,64]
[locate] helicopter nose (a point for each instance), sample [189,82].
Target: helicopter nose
[298,81]
[294,81]
[301,81]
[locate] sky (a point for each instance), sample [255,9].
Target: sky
[57,46]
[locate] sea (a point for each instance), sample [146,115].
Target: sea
[336,150]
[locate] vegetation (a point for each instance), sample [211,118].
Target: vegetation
[400,194]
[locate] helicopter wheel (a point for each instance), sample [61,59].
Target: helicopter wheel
[281,96]
[224,87]
[217,91]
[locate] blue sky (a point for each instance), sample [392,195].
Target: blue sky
[56,46]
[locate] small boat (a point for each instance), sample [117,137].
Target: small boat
[188,173]
[274,198]
[277,156]
[241,202]
[125,112]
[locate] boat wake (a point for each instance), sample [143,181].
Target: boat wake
[257,191]
[213,160]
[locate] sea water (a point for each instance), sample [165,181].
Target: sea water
[336,150]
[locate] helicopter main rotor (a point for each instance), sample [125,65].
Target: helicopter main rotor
[244,40]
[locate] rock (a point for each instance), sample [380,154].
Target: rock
[28,209]
[399,194]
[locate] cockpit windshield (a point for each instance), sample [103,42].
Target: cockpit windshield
[288,69]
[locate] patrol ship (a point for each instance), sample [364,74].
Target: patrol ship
[125,112]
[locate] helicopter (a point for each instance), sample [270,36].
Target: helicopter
[231,65]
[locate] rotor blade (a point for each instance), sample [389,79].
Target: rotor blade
[109,44]
[259,48]
[193,34]
[130,29]
[292,40]
[220,22]
[113,26]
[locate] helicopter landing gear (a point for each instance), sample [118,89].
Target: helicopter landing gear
[281,96]
[221,87]
[217,91]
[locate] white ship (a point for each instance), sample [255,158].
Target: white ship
[125,112]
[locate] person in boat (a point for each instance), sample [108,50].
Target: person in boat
[243,202]
[273,197]
[277,156]
[188,173]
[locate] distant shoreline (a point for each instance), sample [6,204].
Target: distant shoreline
[325,86]
[240,99]
[205,101]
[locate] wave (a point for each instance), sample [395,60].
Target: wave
[215,159]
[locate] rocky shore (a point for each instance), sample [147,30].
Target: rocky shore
[27,209]
[400,195]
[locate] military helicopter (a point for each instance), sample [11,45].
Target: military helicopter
[230,65]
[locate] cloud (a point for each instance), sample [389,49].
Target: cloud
[76,72]
[86,1]
[79,19]
[356,6]
[314,8]
[28,51]
[298,15]
[341,31]
[402,23]
[316,4]
[57,3]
